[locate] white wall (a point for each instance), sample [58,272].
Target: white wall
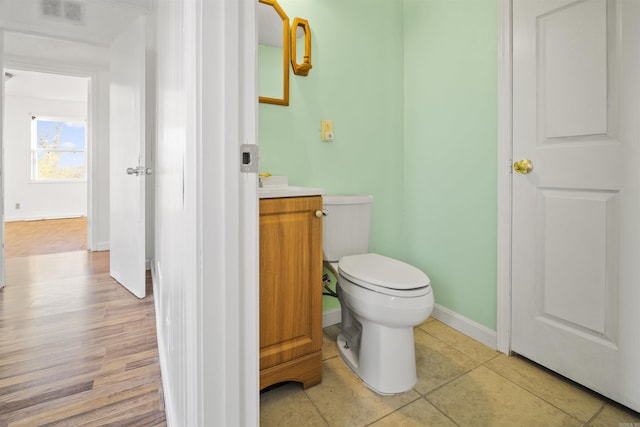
[172,292]
[38,200]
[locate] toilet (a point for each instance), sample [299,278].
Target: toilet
[381,298]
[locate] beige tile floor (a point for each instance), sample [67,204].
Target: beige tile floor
[461,382]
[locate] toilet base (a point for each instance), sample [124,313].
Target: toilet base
[385,360]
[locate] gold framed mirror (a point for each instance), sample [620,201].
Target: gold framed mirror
[273,53]
[299,29]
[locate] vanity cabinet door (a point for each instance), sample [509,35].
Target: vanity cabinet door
[290,290]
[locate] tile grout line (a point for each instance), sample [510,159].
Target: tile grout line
[540,397]
[396,410]
[457,376]
[598,412]
[314,404]
[420,395]
[459,350]
[309,397]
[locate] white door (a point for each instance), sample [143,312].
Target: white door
[576,227]
[2,162]
[127,158]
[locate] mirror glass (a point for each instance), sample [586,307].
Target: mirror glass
[273,53]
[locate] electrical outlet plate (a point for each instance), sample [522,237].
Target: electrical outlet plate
[326,127]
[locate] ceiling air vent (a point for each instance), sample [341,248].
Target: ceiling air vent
[52,8]
[74,11]
[64,10]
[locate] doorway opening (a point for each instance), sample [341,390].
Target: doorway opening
[46,162]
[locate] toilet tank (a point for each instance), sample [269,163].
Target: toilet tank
[346,224]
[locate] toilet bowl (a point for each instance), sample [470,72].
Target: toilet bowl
[382,299]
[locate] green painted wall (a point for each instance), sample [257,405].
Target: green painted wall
[411,89]
[450,127]
[356,81]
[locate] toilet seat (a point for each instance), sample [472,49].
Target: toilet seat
[384,275]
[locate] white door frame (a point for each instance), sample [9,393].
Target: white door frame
[228,329]
[92,122]
[505,175]
[2,160]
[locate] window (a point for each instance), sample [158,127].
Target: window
[58,149]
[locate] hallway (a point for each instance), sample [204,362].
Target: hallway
[76,348]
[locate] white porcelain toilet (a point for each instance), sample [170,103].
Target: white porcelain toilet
[382,298]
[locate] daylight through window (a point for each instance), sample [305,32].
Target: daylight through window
[58,149]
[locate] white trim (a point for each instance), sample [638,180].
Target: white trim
[58,180]
[101,246]
[227,215]
[249,219]
[444,315]
[2,159]
[35,149]
[162,350]
[505,92]
[46,66]
[93,163]
[46,217]
[450,318]
[467,326]
[331,317]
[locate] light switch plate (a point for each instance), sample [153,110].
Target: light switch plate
[326,127]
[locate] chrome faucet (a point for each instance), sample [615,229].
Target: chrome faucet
[261,177]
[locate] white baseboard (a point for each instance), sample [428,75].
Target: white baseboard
[102,246]
[331,317]
[41,217]
[162,351]
[467,326]
[450,318]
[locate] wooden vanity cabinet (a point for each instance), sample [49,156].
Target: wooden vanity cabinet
[291,290]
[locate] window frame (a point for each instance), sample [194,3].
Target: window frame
[34,148]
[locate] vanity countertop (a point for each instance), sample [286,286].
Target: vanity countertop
[272,187]
[272,192]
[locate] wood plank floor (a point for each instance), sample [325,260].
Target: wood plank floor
[48,236]
[76,348]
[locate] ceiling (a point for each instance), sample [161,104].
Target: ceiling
[37,24]
[90,21]
[47,86]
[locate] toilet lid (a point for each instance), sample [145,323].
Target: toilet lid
[382,274]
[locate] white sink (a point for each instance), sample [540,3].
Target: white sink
[278,186]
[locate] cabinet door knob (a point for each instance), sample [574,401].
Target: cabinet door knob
[318,214]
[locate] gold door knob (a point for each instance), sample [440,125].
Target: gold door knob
[318,214]
[523,166]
